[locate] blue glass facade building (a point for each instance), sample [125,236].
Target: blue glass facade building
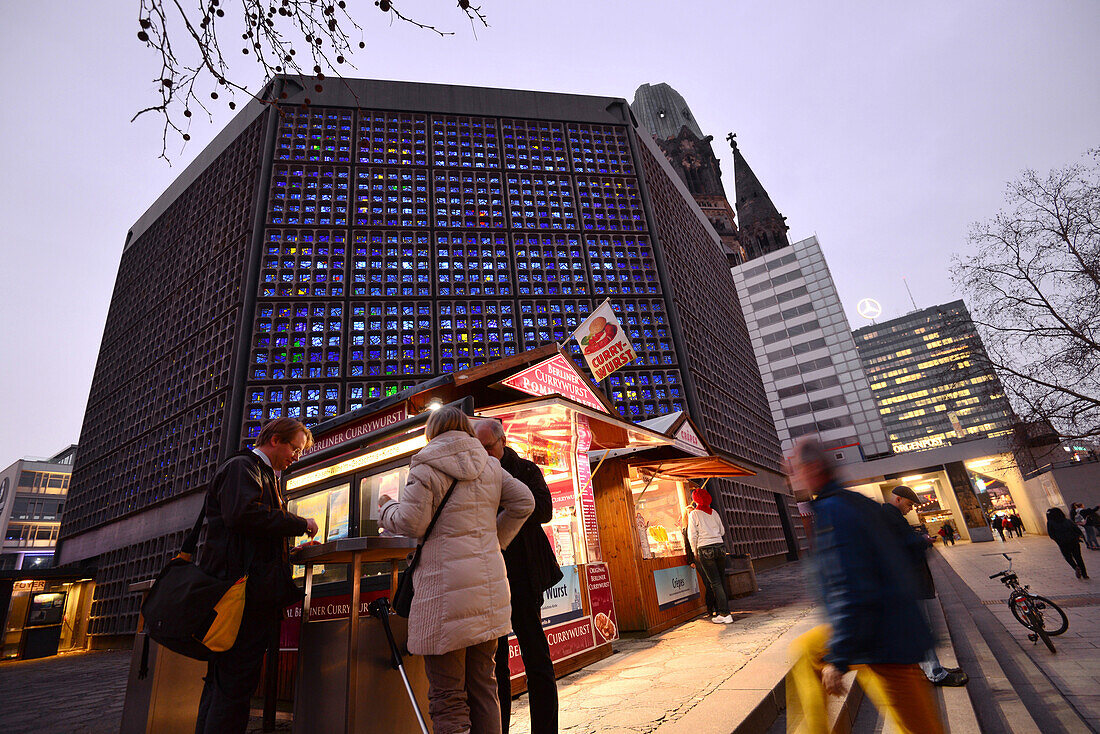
[326,254]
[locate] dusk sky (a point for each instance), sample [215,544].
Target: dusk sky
[884,128]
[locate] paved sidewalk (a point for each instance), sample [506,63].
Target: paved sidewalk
[697,672]
[648,683]
[80,693]
[1075,669]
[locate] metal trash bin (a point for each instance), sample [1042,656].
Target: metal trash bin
[166,701]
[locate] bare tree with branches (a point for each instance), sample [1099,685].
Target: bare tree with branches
[1032,280]
[280,36]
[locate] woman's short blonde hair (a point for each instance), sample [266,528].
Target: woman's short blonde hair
[445,419]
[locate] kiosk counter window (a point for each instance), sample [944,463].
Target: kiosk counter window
[660,507]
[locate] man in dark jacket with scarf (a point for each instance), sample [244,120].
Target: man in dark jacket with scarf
[246,532]
[901,502]
[874,624]
[532,569]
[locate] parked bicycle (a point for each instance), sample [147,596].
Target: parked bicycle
[1043,617]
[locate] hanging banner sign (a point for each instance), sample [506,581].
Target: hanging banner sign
[605,345]
[559,376]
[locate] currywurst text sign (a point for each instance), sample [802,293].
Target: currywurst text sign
[605,345]
[359,428]
[556,375]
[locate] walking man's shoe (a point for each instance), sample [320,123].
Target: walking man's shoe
[722,619]
[955,677]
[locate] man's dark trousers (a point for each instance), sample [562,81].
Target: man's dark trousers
[232,676]
[542,693]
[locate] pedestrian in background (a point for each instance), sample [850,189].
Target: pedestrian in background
[461,605]
[947,532]
[532,569]
[705,531]
[247,531]
[712,607]
[1088,520]
[1068,537]
[998,525]
[874,624]
[899,504]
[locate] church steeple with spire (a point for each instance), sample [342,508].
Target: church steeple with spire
[665,114]
[763,229]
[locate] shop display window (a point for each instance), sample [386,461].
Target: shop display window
[547,438]
[329,508]
[389,483]
[659,506]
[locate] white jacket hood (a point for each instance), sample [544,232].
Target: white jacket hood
[454,453]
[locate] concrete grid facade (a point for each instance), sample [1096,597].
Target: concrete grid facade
[804,348]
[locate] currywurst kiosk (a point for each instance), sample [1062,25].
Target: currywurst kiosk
[552,415]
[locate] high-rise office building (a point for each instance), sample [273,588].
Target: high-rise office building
[377,235]
[32,500]
[807,357]
[930,380]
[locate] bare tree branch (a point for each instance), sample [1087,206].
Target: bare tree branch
[1032,280]
[280,36]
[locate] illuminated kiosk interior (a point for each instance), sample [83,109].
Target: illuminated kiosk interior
[339,483]
[642,496]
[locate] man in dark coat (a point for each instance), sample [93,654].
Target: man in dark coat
[901,502]
[532,569]
[247,531]
[874,624]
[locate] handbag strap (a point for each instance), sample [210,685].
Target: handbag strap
[437,511]
[415,560]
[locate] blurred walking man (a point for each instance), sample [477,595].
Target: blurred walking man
[874,624]
[532,569]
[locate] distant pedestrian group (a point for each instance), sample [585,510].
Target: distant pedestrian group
[1007,524]
[947,532]
[1088,519]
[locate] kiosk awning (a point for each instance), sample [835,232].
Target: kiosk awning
[693,467]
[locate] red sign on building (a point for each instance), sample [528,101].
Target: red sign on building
[557,375]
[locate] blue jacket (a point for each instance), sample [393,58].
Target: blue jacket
[866,584]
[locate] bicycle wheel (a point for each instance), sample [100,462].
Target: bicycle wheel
[1053,618]
[1037,623]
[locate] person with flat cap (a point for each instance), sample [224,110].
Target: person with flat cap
[900,503]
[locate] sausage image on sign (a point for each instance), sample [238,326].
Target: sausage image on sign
[604,625]
[600,334]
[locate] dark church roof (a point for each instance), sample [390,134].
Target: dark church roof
[662,111]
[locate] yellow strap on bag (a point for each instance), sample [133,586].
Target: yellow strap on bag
[223,632]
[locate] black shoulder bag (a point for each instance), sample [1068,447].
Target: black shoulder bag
[403,595]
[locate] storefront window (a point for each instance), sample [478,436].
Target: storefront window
[329,508]
[658,514]
[547,438]
[388,483]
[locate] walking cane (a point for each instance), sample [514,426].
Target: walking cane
[381,608]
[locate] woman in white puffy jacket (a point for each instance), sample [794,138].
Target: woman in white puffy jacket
[461,603]
[705,531]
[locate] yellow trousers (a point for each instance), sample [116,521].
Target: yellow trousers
[901,692]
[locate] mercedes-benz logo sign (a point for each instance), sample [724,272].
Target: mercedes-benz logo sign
[869,309]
